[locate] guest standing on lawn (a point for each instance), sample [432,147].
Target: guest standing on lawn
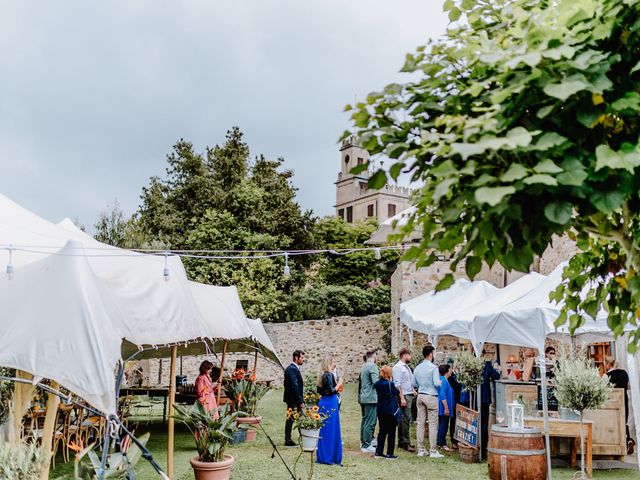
[386,409]
[489,375]
[403,379]
[427,380]
[446,404]
[206,389]
[457,396]
[368,398]
[293,393]
[330,443]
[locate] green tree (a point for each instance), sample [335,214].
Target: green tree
[220,200]
[358,268]
[522,122]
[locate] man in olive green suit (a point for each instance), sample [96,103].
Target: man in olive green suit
[368,398]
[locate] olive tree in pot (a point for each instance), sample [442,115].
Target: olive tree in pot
[212,436]
[579,387]
[245,394]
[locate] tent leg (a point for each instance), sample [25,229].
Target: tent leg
[255,362]
[479,437]
[22,393]
[171,421]
[224,354]
[49,427]
[545,410]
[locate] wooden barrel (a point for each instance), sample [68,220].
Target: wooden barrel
[516,454]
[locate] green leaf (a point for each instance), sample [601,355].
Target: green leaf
[445,283]
[519,136]
[473,266]
[550,140]
[378,180]
[547,166]
[444,169]
[559,212]
[541,178]
[635,68]
[515,172]
[568,87]
[621,160]
[545,111]
[396,169]
[607,202]
[359,168]
[454,14]
[443,187]
[493,195]
[629,102]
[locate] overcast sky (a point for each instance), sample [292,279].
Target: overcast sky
[93,94]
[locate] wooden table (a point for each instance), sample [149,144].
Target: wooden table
[569,428]
[151,392]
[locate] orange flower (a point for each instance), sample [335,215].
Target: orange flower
[253,377]
[76,447]
[315,408]
[239,399]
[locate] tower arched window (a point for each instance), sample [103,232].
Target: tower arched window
[346,159]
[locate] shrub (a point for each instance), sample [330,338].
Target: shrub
[20,462]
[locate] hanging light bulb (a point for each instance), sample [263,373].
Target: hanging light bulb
[10,264]
[377,254]
[166,273]
[287,270]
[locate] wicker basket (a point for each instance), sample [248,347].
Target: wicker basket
[468,454]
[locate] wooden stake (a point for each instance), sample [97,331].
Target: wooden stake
[49,429]
[255,363]
[224,354]
[171,422]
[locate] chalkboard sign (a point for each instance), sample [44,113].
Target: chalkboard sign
[552,401]
[466,430]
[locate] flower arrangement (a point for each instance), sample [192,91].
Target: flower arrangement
[309,418]
[245,393]
[310,392]
[470,370]
[579,386]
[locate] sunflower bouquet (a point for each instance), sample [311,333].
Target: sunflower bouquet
[309,418]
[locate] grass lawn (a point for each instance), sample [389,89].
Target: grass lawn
[253,461]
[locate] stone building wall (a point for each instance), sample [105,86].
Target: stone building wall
[408,283]
[348,338]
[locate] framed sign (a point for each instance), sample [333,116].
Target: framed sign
[552,401]
[466,429]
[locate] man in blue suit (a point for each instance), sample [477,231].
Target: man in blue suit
[293,393]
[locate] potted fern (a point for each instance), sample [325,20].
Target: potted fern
[212,436]
[579,387]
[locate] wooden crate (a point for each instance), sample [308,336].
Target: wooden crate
[609,433]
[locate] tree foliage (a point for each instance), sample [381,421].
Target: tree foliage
[522,122]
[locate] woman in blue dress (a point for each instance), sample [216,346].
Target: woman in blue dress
[330,443]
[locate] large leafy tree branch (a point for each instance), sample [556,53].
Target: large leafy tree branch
[522,122]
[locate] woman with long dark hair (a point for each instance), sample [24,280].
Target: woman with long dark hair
[206,389]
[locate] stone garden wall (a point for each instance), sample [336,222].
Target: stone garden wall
[348,338]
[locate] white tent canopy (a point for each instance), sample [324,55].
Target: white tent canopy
[57,323]
[436,313]
[267,348]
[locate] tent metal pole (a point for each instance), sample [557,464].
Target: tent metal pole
[47,435]
[171,421]
[224,354]
[545,410]
[479,407]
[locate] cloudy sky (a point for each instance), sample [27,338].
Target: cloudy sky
[94,94]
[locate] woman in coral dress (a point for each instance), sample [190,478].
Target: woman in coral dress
[206,389]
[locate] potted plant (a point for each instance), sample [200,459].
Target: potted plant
[245,394]
[212,436]
[469,374]
[308,421]
[579,387]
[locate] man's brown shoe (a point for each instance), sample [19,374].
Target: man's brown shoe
[409,448]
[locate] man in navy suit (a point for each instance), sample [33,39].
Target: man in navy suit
[293,393]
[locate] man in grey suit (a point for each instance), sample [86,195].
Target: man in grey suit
[368,398]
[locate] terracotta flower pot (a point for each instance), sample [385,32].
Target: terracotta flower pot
[252,433]
[212,470]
